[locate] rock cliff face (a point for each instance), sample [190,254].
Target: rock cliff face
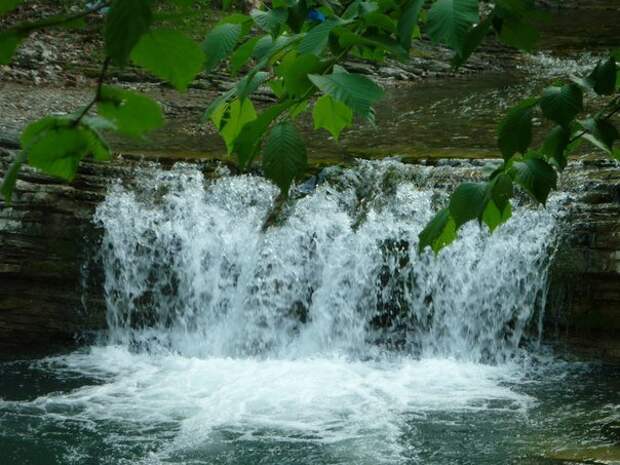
[585,304]
[44,235]
[47,234]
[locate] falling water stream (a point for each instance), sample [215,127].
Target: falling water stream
[319,337]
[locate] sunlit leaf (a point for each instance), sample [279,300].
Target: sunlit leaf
[332,115]
[241,111]
[131,113]
[294,70]
[356,91]
[170,55]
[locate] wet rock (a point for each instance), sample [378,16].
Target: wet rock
[585,297]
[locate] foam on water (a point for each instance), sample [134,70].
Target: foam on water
[324,328]
[358,410]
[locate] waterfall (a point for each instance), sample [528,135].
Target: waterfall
[246,329]
[205,268]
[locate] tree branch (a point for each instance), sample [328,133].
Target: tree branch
[97,97]
[59,20]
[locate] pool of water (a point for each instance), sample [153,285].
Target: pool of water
[109,405]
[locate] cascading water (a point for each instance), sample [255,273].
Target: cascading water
[245,331]
[192,268]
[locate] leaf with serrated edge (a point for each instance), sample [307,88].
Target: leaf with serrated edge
[284,156]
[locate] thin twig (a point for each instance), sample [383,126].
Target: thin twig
[613,111]
[97,96]
[53,21]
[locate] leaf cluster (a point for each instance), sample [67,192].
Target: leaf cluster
[535,170]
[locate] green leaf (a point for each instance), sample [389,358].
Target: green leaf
[249,139]
[170,55]
[555,145]
[277,86]
[601,133]
[294,69]
[562,104]
[10,177]
[449,21]
[284,156]
[536,176]
[514,133]
[315,40]
[493,216]
[467,202]
[501,191]
[298,108]
[248,85]
[220,42]
[603,77]
[242,55]
[58,151]
[9,41]
[332,115]
[472,40]
[407,22]
[56,145]
[519,34]
[270,21]
[131,113]
[98,148]
[86,131]
[354,90]
[380,21]
[8,5]
[126,23]
[241,111]
[263,47]
[438,233]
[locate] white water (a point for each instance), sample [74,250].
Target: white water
[195,273]
[220,328]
